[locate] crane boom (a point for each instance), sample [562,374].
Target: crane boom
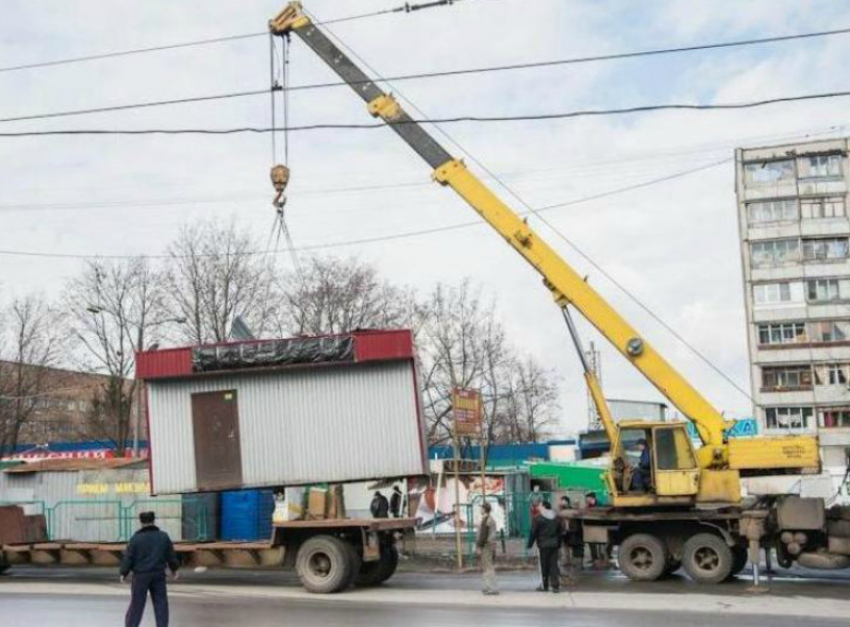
[566,285]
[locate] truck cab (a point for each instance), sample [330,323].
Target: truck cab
[656,464]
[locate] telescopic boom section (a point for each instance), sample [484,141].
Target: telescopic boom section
[567,287]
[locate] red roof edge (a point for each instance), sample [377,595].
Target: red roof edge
[369,346]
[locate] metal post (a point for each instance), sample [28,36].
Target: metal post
[137,419]
[755,559]
[458,540]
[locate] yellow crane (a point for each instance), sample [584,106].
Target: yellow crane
[681,474]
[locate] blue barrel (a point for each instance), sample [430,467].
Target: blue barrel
[246,515]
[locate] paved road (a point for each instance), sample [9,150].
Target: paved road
[92,597]
[211,611]
[797,582]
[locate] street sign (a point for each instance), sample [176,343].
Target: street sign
[466,410]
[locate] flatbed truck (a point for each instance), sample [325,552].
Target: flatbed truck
[328,555]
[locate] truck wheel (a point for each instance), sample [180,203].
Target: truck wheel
[740,558]
[642,557]
[324,565]
[4,567]
[376,573]
[707,558]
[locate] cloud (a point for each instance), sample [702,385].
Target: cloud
[674,245]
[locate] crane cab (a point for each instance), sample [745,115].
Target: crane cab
[656,464]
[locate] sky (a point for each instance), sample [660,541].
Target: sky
[673,245]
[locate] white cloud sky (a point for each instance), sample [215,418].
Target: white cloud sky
[674,245]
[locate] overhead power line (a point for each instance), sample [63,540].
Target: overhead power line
[404,77]
[406,8]
[394,236]
[449,120]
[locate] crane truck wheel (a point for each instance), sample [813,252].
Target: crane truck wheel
[740,558]
[707,558]
[643,557]
[325,565]
[376,573]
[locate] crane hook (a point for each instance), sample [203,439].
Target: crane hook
[280,179]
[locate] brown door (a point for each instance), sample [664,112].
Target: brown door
[218,459]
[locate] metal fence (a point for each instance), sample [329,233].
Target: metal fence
[111,520]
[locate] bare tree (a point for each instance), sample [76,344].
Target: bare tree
[463,345]
[115,310]
[32,340]
[334,295]
[214,275]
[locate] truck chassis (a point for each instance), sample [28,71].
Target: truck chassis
[328,555]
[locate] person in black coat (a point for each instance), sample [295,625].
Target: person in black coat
[547,533]
[380,506]
[149,552]
[395,502]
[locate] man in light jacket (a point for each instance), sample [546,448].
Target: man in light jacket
[486,544]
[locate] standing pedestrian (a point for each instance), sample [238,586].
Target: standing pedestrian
[149,552]
[546,533]
[599,553]
[395,502]
[486,544]
[380,506]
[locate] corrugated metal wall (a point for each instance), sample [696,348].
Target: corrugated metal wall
[88,506]
[297,427]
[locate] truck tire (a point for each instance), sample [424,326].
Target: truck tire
[355,566]
[4,567]
[325,565]
[707,558]
[376,573]
[740,559]
[642,557]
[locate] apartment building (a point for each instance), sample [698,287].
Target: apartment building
[794,228]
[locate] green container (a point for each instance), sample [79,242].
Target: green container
[573,476]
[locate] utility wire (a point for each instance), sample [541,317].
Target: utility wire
[406,8]
[389,237]
[447,120]
[609,165]
[558,232]
[419,76]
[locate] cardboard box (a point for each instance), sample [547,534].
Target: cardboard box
[317,504]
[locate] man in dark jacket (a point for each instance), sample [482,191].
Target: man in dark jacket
[547,533]
[642,474]
[148,554]
[395,502]
[380,506]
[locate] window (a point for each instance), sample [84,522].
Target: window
[673,449]
[787,417]
[769,172]
[832,374]
[827,290]
[782,333]
[834,418]
[820,167]
[815,208]
[826,248]
[771,211]
[786,377]
[775,293]
[774,252]
[829,331]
